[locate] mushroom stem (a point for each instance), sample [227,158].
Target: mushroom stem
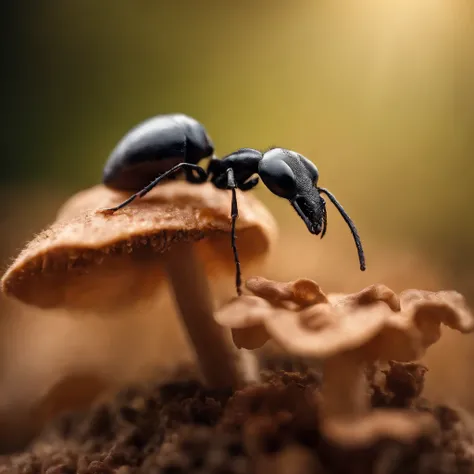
[212,345]
[249,366]
[345,387]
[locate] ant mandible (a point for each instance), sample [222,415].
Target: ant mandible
[164,145]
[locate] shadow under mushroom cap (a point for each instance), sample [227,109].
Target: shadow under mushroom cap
[89,260]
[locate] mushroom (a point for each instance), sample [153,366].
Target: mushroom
[88,260]
[347,332]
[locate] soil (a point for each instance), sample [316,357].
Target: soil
[179,427]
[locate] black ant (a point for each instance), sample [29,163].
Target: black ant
[164,145]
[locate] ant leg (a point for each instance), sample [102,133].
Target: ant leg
[202,173]
[234,215]
[251,183]
[351,225]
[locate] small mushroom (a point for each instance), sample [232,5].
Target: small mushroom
[180,232]
[349,331]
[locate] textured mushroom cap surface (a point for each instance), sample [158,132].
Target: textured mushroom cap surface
[369,321]
[302,292]
[88,258]
[375,321]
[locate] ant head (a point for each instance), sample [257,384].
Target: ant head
[291,176]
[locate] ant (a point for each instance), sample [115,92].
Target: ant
[165,145]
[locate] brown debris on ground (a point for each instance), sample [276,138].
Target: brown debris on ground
[180,427]
[400,385]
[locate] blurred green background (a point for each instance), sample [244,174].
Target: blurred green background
[379,94]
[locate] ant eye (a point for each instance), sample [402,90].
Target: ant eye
[278,177]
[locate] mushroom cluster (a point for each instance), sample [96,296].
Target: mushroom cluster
[348,333]
[90,261]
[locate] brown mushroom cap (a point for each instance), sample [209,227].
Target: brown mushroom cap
[67,264]
[320,330]
[387,326]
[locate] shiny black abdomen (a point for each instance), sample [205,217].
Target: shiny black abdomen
[153,147]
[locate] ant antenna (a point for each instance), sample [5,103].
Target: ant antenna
[234,215]
[200,171]
[351,225]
